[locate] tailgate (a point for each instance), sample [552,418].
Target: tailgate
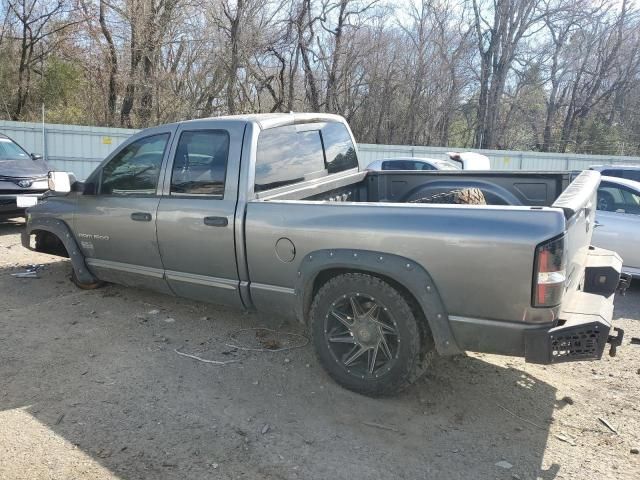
[578,202]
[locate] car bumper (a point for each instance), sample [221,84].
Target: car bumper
[8,202]
[584,325]
[581,331]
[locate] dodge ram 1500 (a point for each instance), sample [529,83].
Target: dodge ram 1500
[271,213]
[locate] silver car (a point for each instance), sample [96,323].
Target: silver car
[631,172]
[411,163]
[618,221]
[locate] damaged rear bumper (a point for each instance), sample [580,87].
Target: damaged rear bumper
[584,326]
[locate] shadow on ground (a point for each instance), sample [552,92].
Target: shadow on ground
[627,306]
[98,372]
[11,226]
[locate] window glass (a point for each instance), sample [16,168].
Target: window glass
[135,170]
[612,173]
[631,174]
[406,165]
[285,156]
[424,166]
[10,150]
[200,163]
[612,198]
[339,149]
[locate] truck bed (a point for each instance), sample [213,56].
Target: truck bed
[500,188]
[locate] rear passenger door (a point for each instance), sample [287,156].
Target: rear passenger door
[195,220]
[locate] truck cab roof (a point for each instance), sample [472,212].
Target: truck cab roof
[272,120]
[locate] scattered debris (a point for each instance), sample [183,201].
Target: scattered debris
[635,451]
[104,453]
[568,400]
[381,426]
[608,425]
[169,320]
[153,312]
[635,340]
[265,429]
[30,272]
[214,465]
[287,360]
[267,340]
[519,417]
[563,437]
[204,360]
[60,419]
[504,464]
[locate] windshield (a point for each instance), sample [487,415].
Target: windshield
[11,150]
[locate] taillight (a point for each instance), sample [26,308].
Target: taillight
[549,275]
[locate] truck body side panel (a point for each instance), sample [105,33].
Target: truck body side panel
[480,257]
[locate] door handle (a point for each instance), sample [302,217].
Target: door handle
[141,217]
[216,221]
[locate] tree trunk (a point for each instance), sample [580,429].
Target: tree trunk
[113,65]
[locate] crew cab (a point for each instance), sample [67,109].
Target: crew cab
[271,213]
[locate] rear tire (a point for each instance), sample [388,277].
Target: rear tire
[85,286]
[376,355]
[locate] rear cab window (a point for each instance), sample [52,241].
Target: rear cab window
[295,153]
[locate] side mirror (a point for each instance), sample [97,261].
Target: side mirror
[36,156]
[59,182]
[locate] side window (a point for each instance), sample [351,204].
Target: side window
[286,155]
[612,199]
[424,166]
[612,173]
[200,163]
[135,170]
[339,149]
[632,174]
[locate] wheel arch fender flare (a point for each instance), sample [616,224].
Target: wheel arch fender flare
[409,274]
[60,229]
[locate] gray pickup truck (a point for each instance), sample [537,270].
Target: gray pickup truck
[271,213]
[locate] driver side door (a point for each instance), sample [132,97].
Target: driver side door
[115,219]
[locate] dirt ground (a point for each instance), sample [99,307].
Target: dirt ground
[91,388]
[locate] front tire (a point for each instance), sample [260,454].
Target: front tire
[367,336]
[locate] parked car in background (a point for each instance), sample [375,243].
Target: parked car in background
[618,221]
[457,161]
[631,172]
[411,163]
[21,174]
